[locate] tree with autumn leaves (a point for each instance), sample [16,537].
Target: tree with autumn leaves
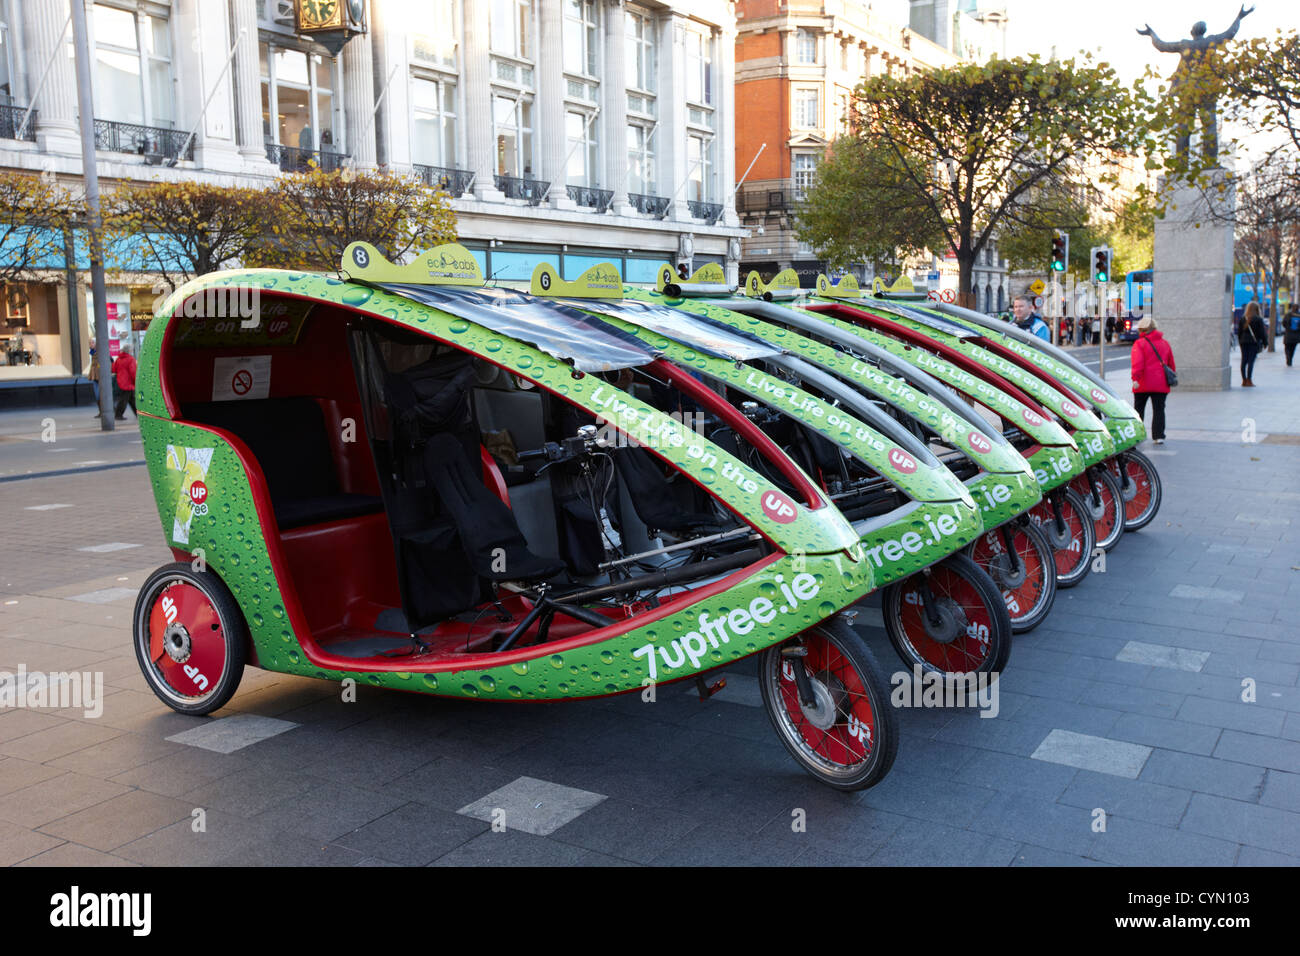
[958,157]
[35,214]
[302,221]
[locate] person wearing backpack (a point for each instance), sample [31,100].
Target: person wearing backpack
[1252,336]
[1152,364]
[1291,331]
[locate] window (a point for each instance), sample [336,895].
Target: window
[512,28]
[579,132]
[699,160]
[6,88]
[805,46]
[298,91]
[805,172]
[806,107]
[433,122]
[513,118]
[699,68]
[580,42]
[640,159]
[640,53]
[133,71]
[433,42]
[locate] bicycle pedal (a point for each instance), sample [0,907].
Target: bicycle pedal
[706,689]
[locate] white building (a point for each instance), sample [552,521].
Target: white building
[568,131]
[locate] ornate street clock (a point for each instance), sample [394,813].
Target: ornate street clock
[330,22]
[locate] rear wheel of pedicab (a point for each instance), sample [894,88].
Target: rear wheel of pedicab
[1018,557]
[190,638]
[1073,541]
[1105,505]
[949,618]
[825,695]
[1141,490]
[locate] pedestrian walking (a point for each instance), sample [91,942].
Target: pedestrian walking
[1291,331]
[1252,336]
[1022,307]
[124,378]
[1150,355]
[93,372]
[1110,329]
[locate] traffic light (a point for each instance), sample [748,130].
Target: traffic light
[1060,251]
[1100,256]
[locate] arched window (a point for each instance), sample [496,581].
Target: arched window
[988,298]
[1001,301]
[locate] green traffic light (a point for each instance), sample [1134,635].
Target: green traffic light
[1101,277]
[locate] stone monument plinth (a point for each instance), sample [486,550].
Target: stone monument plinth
[1192,281]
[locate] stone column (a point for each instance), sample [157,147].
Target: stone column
[248,83]
[670,139]
[359,100]
[56,102]
[724,123]
[613,108]
[480,139]
[548,107]
[1192,280]
[208,29]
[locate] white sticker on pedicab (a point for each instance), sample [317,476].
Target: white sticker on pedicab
[193,464]
[241,377]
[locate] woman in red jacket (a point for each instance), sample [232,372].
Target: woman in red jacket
[124,377]
[1149,382]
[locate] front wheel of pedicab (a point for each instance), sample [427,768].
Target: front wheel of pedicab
[950,619]
[190,638]
[829,703]
[1140,486]
[1071,534]
[1018,557]
[1105,503]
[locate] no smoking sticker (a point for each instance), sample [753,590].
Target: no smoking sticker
[241,377]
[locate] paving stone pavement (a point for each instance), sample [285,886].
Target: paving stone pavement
[1163,693]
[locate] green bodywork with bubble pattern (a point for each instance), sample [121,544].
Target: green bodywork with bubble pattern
[821,571]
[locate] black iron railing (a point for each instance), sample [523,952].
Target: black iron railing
[11,117]
[516,187]
[597,199]
[144,140]
[291,160]
[710,212]
[656,206]
[452,181]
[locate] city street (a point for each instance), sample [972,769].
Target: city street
[1153,719]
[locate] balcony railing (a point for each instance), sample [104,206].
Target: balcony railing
[773,198]
[516,187]
[452,181]
[11,117]
[710,212]
[291,160]
[151,141]
[656,206]
[597,199]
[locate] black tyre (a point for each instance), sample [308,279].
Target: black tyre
[1029,587]
[848,737]
[1105,504]
[950,618]
[1140,487]
[190,638]
[1071,545]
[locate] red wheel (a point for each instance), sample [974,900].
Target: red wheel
[1019,559]
[949,618]
[1071,546]
[845,733]
[1140,487]
[190,638]
[1105,504]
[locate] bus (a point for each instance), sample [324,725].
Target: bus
[1139,297]
[1247,286]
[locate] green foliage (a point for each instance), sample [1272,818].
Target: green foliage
[957,156]
[34,212]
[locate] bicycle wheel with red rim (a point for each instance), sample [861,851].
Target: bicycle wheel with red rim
[190,639]
[846,733]
[1141,492]
[1027,583]
[1105,505]
[1072,545]
[949,618]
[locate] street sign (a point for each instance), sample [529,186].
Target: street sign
[1038,287]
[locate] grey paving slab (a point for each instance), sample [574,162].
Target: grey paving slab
[1134,843]
[1029,855]
[1254,856]
[19,842]
[1268,828]
[1235,716]
[1134,799]
[1161,655]
[119,820]
[955,803]
[327,811]
[246,793]
[1132,699]
[516,848]
[539,807]
[1282,790]
[1194,592]
[1016,816]
[16,774]
[926,843]
[56,797]
[413,834]
[724,845]
[75,855]
[1166,734]
[1204,774]
[1262,751]
[626,830]
[1019,774]
[1088,752]
[176,773]
[225,735]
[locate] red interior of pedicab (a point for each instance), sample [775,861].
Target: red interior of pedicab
[326,530]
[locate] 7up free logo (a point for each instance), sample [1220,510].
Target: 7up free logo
[902,461]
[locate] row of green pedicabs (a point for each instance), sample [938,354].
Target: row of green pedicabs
[717,474]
